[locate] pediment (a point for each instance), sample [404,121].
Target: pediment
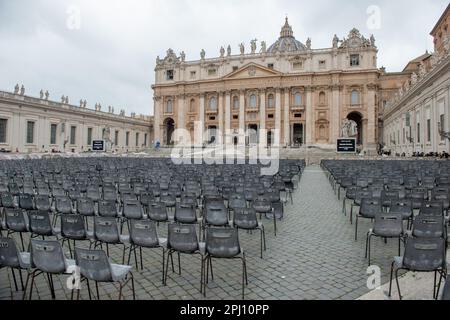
[252,70]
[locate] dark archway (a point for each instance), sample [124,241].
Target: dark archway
[169,128]
[270,138]
[357,117]
[297,136]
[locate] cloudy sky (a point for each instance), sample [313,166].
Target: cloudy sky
[105,50]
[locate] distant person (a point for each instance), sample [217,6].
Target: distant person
[157,145]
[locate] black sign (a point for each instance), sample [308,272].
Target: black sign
[98,145]
[346,145]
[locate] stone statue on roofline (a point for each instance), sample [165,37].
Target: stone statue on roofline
[222,52]
[41,94]
[263,47]
[335,41]
[22,90]
[16,89]
[202,54]
[46,95]
[229,50]
[242,48]
[253,45]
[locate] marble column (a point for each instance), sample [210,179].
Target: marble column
[371,118]
[309,117]
[335,113]
[227,118]
[220,118]
[262,118]
[181,109]
[201,125]
[242,117]
[157,119]
[278,116]
[287,124]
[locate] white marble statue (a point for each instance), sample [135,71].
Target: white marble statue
[242,48]
[253,45]
[229,50]
[222,52]
[263,47]
[16,89]
[202,54]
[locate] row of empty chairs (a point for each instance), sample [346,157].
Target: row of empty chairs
[405,200]
[89,204]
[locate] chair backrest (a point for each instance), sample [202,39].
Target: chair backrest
[106,229]
[15,220]
[26,201]
[47,256]
[132,209]
[370,207]
[85,206]
[222,242]
[39,223]
[94,264]
[426,226]
[107,208]
[157,211]
[245,218]
[73,227]
[185,213]
[63,205]
[216,215]
[388,224]
[42,202]
[9,255]
[424,254]
[7,200]
[182,238]
[143,233]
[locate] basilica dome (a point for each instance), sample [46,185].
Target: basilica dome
[287,41]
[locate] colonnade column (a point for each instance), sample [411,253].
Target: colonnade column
[227,117]
[262,119]
[157,119]
[309,117]
[278,116]
[287,132]
[242,117]
[221,131]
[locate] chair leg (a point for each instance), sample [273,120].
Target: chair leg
[367,241]
[14,278]
[21,240]
[33,275]
[398,284]
[390,281]
[132,286]
[97,291]
[211,267]
[356,228]
[140,254]
[243,279]
[369,247]
[26,286]
[163,261]
[167,267]
[179,264]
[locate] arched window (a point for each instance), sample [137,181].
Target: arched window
[169,106]
[253,101]
[192,105]
[271,101]
[213,103]
[355,98]
[235,103]
[322,97]
[298,99]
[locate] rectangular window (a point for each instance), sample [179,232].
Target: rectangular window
[297,65]
[116,138]
[429,130]
[89,136]
[441,122]
[404,135]
[193,74]
[270,116]
[3,123]
[145,139]
[354,60]
[322,64]
[418,133]
[169,75]
[270,66]
[212,72]
[137,139]
[53,128]
[235,68]
[73,132]
[30,131]
[127,138]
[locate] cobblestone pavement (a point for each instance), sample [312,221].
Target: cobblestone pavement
[314,256]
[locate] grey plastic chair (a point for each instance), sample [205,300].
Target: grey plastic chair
[40,224]
[421,255]
[223,243]
[95,266]
[386,225]
[16,222]
[11,258]
[370,207]
[106,231]
[73,228]
[143,234]
[47,257]
[246,219]
[182,239]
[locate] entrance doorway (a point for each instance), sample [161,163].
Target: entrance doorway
[297,135]
[252,134]
[357,117]
[169,128]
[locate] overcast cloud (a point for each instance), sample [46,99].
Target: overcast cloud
[111,58]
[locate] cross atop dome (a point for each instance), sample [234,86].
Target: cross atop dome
[286,30]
